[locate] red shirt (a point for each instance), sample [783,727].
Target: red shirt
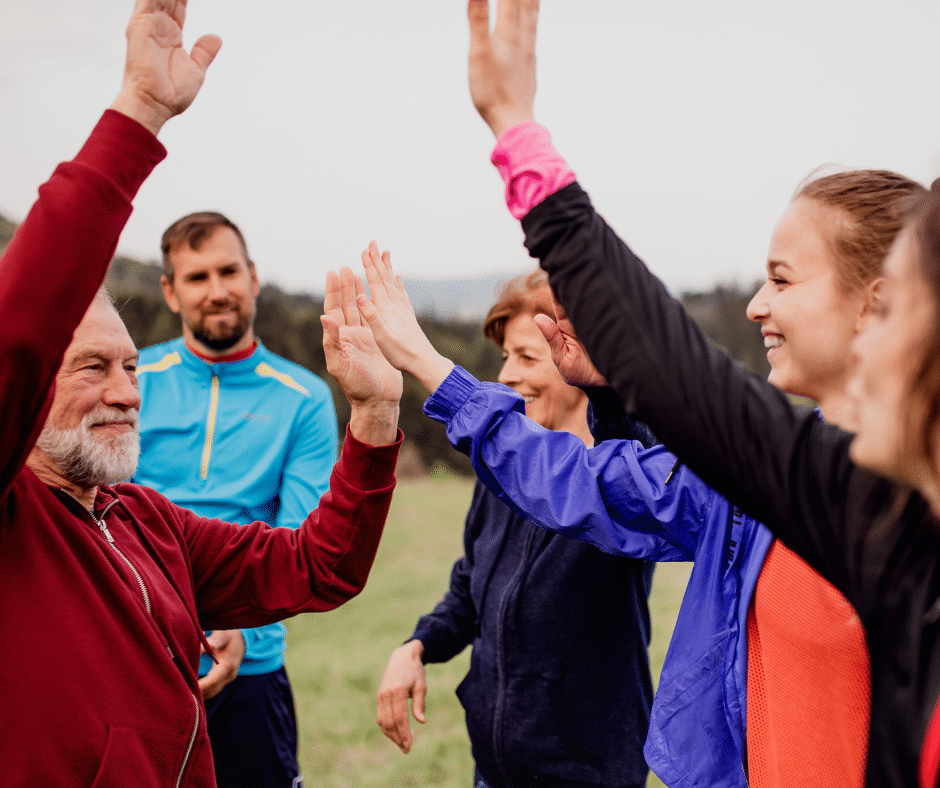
[808,680]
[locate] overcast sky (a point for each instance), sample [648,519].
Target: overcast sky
[325,124]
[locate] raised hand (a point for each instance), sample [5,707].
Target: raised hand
[161,79]
[404,678]
[372,385]
[502,62]
[392,318]
[568,353]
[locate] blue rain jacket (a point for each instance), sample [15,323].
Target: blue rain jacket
[616,497]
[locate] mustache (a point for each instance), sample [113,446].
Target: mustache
[102,416]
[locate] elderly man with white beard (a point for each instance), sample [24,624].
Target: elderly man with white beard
[104,446]
[106,587]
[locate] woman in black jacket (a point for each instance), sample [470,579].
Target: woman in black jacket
[877,540]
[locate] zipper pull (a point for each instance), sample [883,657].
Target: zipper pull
[104,530]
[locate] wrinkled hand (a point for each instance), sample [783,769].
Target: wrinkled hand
[352,356]
[161,79]
[568,353]
[502,62]
[392,319]
[229,648]
[404,678]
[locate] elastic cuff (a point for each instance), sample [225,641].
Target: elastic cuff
[368,467]
[451,395]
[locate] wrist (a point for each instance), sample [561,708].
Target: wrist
[431,370]
[374,423]
[502,120]
[413,648]
[148,114]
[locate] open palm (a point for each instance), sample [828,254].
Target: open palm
[352,355]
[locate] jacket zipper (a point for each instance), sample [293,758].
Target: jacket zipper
[143,589]
[192,743]
[210,428]
[500,654]
[140,581]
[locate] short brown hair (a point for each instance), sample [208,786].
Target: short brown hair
[192,231]
[875,204]
[528,294]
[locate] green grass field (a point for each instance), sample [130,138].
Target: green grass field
[336,659]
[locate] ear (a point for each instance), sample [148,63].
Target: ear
[255,285]
[874,292]
[169,294]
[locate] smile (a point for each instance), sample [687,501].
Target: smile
[773,341]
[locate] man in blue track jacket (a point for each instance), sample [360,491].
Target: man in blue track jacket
[232,431]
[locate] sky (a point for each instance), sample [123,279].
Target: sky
[325,124]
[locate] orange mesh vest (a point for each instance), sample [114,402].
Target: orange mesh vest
[808,680]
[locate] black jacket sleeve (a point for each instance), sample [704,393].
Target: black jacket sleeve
[738,433]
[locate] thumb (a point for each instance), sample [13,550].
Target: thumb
[417,704]
[551,332]
[370,314]
[205,50]
[330,330]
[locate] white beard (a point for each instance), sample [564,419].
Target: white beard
[87,460]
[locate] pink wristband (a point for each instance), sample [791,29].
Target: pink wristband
[530,166]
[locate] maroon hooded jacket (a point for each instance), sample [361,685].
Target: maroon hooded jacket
[101,624]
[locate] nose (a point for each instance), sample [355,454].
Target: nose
[509,374]
[758,309]
[121,390]
[217,289]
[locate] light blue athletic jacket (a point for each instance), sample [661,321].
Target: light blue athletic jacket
[240,441]
[620,498]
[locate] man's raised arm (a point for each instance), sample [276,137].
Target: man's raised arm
[60,254]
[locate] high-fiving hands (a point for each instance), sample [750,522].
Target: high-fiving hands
[392,319]
[161,79]
[502,61]
[372,385]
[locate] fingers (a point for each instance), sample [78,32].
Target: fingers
[401,722]
[216,680]
[507,16]
[205,50]
[528,23]
[348,292]
[332,300]
[378,268]
[417,702]
[330,332]
[478,12]
[392,716]
[401,287]
[369,313]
